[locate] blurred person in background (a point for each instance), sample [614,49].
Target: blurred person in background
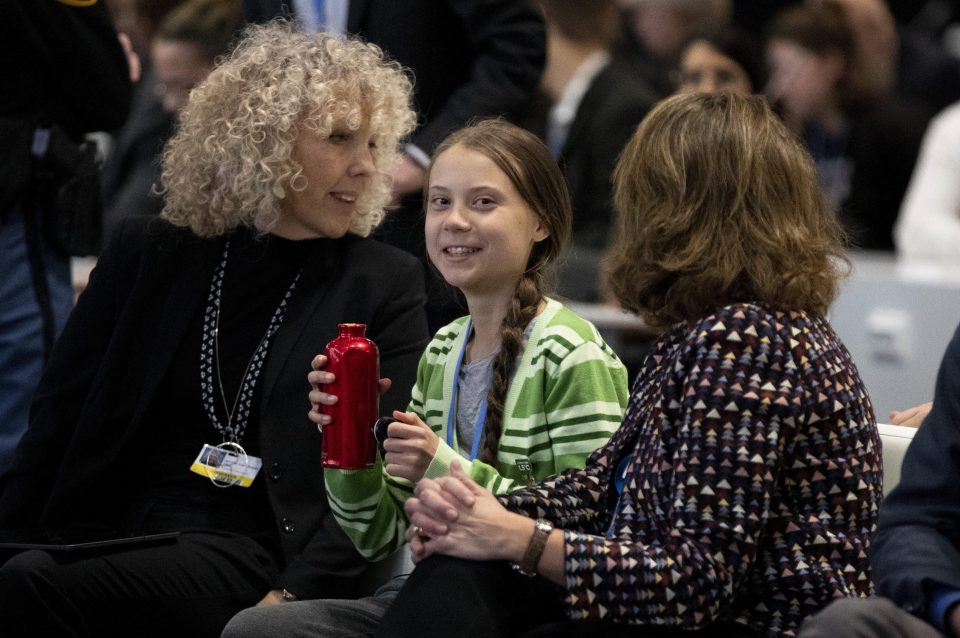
[897,60]
[721,59]
[864,150]
[66,75]
[187,44]
[929,222]
[589,105]
[182,49]
[655,32]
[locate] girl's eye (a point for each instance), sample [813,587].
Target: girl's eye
[485,202]
[438,201]
[372,145]
[339,137]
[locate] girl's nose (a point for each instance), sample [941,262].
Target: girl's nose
[456,219]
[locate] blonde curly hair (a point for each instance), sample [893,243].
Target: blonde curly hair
[230,163]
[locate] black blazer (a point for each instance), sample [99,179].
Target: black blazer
[108,364]
[608,114]
[916,547]
[605,120]
[470,57]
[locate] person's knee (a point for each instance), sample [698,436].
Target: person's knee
[845,618]
[250,623]
[22,577]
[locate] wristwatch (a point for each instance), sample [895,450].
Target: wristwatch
[287,596]
[531,557]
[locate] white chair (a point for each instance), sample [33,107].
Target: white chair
[895,439]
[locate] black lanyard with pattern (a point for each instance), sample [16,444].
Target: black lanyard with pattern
[238,415]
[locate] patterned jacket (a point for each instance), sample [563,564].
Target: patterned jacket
[566,398]
[751,474]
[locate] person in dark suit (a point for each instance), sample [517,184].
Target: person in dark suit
[470,58]
[198,328]
[590,105]
[916,548]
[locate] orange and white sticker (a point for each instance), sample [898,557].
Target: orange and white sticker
[78,3]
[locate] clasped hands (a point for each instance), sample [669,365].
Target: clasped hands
[455,516]
[410,445]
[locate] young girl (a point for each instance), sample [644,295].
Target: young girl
[520,389]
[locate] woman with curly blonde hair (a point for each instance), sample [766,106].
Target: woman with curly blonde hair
[233,161]
[192,341]
[740,491]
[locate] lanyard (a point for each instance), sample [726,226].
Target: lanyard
[452,411]
[238,414]
[619,478]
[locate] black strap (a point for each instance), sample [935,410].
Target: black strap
[38,271]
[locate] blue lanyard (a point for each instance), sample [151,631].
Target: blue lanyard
[619,478]
[452,411]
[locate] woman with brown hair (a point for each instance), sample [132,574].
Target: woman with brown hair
[740,491]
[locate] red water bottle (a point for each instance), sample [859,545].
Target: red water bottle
[348,442]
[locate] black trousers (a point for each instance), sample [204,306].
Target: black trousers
[191,587]
[453,597]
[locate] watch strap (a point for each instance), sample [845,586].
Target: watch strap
[538,542]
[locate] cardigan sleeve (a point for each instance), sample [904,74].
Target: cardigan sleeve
[682,565]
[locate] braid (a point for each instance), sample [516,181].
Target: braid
[523,308]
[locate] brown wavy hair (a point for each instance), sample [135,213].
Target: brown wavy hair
[534,173]
[718,203]
[230,162]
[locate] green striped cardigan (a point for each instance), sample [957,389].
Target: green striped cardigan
[567,397]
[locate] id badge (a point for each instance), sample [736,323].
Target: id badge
[226,465]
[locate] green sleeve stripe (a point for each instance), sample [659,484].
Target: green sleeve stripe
[586,444]
[358,523]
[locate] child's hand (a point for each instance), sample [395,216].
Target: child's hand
[410,446]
